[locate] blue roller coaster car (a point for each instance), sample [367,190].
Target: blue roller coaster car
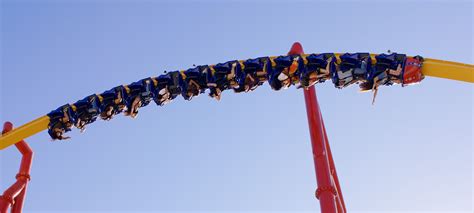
[111,103]
[136,95]
[353,67]
[193,82]
[226,76]
[167,88]
[392,65]
[318,69]
[60,122]
[85,111]
[252,74]
[280,76]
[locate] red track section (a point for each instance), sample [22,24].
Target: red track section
[329,191]
[15,195]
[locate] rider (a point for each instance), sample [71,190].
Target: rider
[387,71]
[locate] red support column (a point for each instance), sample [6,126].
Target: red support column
[326,176]
[340,199]
[325,192]
[14,196]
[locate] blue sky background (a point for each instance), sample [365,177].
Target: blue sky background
[412,151]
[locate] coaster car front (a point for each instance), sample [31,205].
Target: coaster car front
[60,122]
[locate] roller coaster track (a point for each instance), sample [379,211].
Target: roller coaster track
[304,70]
[431,67]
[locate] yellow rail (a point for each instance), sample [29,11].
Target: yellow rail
[431,67]
[448,70]
[22,132]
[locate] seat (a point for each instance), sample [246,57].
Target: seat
[173,85]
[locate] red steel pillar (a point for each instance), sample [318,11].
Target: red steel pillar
[330,197]
[14,196]
[341,206]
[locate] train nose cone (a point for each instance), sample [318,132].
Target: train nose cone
[296,48]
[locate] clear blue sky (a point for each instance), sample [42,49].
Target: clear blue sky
[412,151]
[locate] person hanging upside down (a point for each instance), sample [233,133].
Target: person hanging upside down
[395,74]
[388,70]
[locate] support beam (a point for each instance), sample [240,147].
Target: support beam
[326,193]
[14,196]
